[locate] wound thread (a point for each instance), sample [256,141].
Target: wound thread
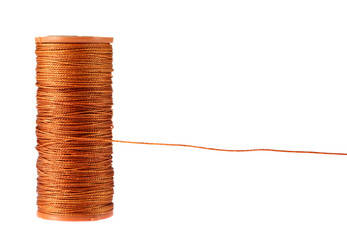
[74,105]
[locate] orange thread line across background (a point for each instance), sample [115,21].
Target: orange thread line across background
[228,150]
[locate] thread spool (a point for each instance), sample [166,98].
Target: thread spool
[74,128]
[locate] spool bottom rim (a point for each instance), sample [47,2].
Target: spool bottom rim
[74,218]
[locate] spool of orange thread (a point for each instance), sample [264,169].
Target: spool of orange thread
[74,128]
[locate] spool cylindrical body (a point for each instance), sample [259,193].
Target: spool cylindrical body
[74,128]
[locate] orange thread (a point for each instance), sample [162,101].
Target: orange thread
[74,130]
[228,150]
[74,102]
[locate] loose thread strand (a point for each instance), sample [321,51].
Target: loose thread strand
[228,150]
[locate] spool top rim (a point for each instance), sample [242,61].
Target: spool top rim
[73,39]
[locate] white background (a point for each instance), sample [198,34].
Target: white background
[228,74]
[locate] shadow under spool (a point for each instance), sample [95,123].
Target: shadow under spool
[74,40]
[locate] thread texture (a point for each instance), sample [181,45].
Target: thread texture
[74,129]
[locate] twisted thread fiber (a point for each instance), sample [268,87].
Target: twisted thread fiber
[74,104]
